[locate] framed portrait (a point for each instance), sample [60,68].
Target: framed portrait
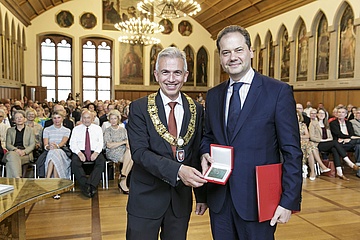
[155,49]
[88,20]
[131,64]
[64,19]
[168,25]
[185,28]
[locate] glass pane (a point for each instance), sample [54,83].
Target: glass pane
[63,94]
[89,95]
[64,83]
[48,82]
[89,55]
[103,95]
[64,53]
[89,69]
[104,84]
[89,84]
[48,67]
[64,68]
[50,95]
[104,55]
[48,52]
[104,69]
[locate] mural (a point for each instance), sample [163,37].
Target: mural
[322,63]
[88,20]
[153,57]
[190,64]
[168,26]
[303,52]
[271,48]
[285,56]
[201,67]
[347,44]
[64,19]
[131,70]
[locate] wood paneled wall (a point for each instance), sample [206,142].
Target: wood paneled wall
[10,93]
[330,98]
[133,95]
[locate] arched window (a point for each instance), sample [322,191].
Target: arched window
[56,66]
[96,70]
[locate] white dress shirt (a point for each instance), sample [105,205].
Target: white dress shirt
[247,80]
[77,139]
[178,110]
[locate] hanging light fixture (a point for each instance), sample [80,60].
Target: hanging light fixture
[169,8]
[137,30]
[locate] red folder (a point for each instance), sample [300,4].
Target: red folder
[269,189]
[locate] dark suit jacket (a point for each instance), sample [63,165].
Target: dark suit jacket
[336,131]
[153,180]
[266,127]
[103,119]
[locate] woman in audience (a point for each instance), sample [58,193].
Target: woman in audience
[41,118]
[57,163]
[310,151]
[30,115]
[117,148]
[320,134]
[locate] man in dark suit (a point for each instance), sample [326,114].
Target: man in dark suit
[266,128]
[164,141]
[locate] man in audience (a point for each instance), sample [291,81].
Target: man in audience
[20,143]
[300,108]
[104,118]
[164,132]
[3,128]
[87,143]
[343,131]
[308,108]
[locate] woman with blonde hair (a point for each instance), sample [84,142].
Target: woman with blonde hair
[117,148]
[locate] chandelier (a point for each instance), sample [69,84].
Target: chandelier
[169,8]
[137,31]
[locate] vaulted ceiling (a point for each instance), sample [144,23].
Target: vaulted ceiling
[215,14]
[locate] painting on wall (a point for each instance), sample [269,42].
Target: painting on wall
[303,49]
[88,20]
[64,19]
[168,26]
[185,28]
[131,64]
[285,56]
[201,67]
[190,65]
[153,57]
[347,44]
[271,57]
[322,63]
[115,11]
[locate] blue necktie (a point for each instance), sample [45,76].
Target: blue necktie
[234,109]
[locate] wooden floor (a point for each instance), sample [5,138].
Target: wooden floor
[330,210]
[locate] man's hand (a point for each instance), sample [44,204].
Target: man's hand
[191,177]
[281,215]
[206,161]
[200,208]
[81,156]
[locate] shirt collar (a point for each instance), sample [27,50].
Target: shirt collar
[166,100]
[247,79]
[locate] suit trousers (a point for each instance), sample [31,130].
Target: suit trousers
[95,175]
[227,224]
[14,164]
[172,227]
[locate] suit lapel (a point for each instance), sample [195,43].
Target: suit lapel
[222,110]
[186,117]
[253,94]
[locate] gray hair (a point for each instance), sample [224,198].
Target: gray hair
[171,52]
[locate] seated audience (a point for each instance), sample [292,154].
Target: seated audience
[320,134]
[20,142]
[299,107]
[30,115]
[86,143]
[66,123]
[55,137]
[117,148]
[92,108]
[310,151]
[343,131]
[40,118]
[356,122]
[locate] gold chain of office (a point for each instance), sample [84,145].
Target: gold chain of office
[161,129]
